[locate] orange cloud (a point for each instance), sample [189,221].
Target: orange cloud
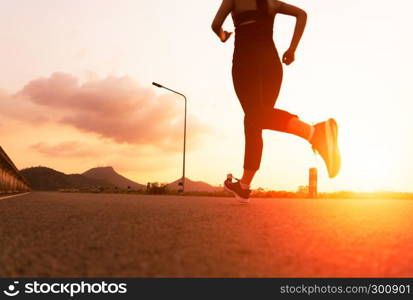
[65,149]
[14,107]
[115,108]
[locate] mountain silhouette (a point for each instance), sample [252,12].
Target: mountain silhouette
[194,186]
[46,179]
[109,175]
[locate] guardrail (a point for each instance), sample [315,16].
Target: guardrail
[11,181]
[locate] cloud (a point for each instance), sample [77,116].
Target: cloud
[114,108]
[13,107]
[65,149]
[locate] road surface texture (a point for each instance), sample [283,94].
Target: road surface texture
[93,235]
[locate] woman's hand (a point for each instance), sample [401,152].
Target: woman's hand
[224,35]
[301,21]
[289,57]
[224,10]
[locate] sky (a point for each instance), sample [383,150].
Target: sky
[75,91]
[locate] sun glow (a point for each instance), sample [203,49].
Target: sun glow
[353,76]
[367,161]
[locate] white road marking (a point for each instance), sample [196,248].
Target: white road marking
[13,196]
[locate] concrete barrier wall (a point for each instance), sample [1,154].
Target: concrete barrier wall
[11,181]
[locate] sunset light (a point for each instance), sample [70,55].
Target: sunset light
[371,106]
[208,139]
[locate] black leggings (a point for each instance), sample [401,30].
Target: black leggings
[257,76]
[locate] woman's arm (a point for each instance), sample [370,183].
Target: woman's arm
[223,12]
[301,22]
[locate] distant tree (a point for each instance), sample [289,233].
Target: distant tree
[156,188]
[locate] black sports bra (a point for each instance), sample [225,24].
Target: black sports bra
[260,14]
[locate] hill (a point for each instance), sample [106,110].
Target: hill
[108,174]
[46,179]
[194,186]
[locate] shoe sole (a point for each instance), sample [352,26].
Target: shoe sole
[240,199]
[333,150]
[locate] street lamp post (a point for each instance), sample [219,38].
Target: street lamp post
[182,183]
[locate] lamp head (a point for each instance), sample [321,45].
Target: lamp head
[157,85]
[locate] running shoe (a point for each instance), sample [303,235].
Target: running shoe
[325,143]
[242,195]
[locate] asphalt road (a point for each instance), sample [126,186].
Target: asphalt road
[82,235]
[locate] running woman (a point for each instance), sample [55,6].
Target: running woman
[257,74]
